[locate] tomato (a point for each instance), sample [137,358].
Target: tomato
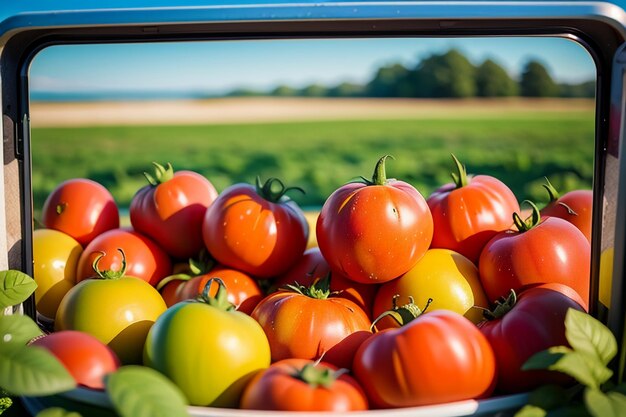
[303,385]
[307,323]
[208,349]
[312,265]
[55,256]
[375,231]
[449,278]
[575,206]
[171,209]
[85,357]
[470,211]
[438,357]
[256,230]
[115,308]
[145,259]
[542,250]
[243,291]
[81,208]
[524,326]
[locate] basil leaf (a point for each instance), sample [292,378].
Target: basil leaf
[33,371]
[531,411]
[545,358]
[600,404]
[138,391]
[16,331]
[57,412]
[549,397]
[15,288]
[589,336]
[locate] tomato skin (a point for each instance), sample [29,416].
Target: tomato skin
[312,265]
[535,323]
[374,233]
[118,312]
[209,353]
[436,358]
[243,230]
[55,257]
[553,251]
[242,289]
[145,259]
[299,326]
[87,209]
[277,389]
[86,358]
[466,218]
[172,212]
[448,278]
[581,202]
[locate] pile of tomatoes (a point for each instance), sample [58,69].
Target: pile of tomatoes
[404,301]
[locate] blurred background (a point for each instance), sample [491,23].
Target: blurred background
[315,113]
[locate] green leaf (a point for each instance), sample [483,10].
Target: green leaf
[531,411]
[585,369]
[33,371]
[589,336]
[57,412]
[16,331]
[15,288]
[138,391]
[549,397]
[600,404]
[570,411]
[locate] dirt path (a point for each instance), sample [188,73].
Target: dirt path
[254,110]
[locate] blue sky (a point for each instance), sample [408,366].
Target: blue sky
[217,67]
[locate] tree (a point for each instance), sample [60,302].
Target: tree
[389,81]
[493,81]
[346,90]
[313,90]
[284,91]
[537,82]
[447,75]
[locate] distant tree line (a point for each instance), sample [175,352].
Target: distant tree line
[446,75]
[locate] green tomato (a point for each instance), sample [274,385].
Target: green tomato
[116,309]
[208,349]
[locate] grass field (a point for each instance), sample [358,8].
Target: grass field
[520,148]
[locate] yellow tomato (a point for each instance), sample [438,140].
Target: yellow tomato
[606,276]
[447,277]
[117,311]
[55,256]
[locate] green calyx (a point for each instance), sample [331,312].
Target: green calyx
[502,306]
[109,273]
[200,266]
[552,192]
[380,175]
[460,177]
[60,208]
[274,190]
[402,314]
[161,174]
[319,289]
[221,297]
[316,375]
[533,220]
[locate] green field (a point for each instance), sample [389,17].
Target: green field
[519,148]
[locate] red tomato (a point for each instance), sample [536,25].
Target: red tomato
[306,323]
[575,206]
[243,291]
[303,385]
[85,357]
[540,251]
[438,357]
[171,209]
[256,230]
[470,211]
[312,266]
[522,327]
[375,231]
[145,259]
[81,208]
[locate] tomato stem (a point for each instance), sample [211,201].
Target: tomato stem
[316,375]
[460,177]
[109,273]
[502,306]
[161,174]
[403,314]
[60,208]
[319,289]
[552,192]
[267,191]
[221,297]
[531,221]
